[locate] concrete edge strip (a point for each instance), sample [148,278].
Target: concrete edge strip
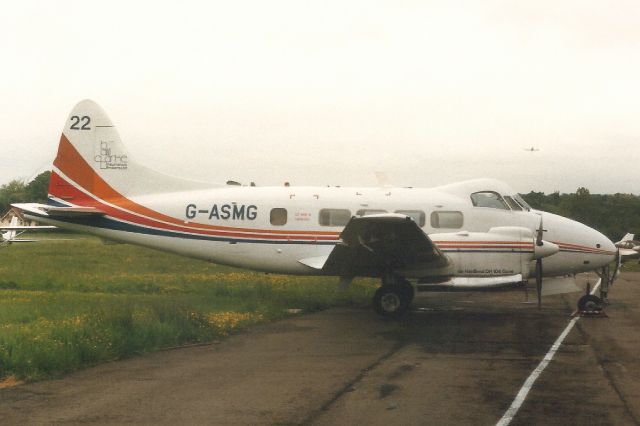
[528,384]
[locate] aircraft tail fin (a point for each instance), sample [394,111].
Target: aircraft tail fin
[92,162]
[627,237]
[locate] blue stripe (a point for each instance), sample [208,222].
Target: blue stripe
[111,224]
[485,251]
[52,202]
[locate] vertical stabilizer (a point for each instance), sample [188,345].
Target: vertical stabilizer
[92,160]
[627,237]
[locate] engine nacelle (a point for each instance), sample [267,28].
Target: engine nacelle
[505,250]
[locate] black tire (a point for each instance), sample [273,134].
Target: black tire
[391,301]
[590,303]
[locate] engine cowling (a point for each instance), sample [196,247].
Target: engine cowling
[505,250]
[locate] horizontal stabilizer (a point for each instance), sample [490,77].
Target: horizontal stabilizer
[24,228]
[54,211]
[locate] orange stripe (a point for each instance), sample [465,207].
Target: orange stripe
[71,163]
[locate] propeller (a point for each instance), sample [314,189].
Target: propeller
[618,266]
[539,243]
[542,249]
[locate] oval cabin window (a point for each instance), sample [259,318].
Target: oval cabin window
[278,216]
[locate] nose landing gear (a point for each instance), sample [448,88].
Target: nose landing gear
[592,305]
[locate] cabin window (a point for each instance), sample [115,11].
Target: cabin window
[278,216]
[450,220]
[418,216]
[512,203]
[334,217]
[368,212]
[489,199]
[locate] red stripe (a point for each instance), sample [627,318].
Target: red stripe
[483,242]
[71,163]
[228,232]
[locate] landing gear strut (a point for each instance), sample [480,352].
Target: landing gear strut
[394,297]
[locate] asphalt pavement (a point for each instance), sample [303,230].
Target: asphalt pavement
[456,359]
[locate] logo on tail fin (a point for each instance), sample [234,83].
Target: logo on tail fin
[108,160]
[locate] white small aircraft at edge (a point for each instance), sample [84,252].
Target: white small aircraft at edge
[13,231]
[473,234]
[628,247]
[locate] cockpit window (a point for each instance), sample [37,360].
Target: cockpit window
[488,199]
[512,203]
[522,202]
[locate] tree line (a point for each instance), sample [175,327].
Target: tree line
[612,214]
[17,191]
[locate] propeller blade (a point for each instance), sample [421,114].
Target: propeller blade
[539,282]
[539,234]
[618,266]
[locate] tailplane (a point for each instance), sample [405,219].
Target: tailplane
[92,162]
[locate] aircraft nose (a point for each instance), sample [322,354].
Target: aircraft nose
[582,248]
[604,247]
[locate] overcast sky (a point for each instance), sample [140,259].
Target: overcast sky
[328,92]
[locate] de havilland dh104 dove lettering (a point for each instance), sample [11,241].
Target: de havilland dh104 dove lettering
[473,234]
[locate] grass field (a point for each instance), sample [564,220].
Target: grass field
[68,304]
[631,266]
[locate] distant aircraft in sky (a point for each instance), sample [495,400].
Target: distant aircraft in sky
[473,234]
[13,231]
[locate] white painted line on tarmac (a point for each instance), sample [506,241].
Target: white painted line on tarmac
[524,390]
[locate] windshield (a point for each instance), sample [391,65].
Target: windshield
[489,199]
[522,202]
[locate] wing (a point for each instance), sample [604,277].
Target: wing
[371,245]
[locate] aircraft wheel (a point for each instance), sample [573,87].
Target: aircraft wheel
[391,301]
[590,303]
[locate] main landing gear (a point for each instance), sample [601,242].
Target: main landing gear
[394,297]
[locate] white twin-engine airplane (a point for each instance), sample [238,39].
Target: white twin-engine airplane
[11,233]
[628,247]
[474,234]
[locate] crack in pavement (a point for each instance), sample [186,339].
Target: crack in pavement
[609,377]
[348,387]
